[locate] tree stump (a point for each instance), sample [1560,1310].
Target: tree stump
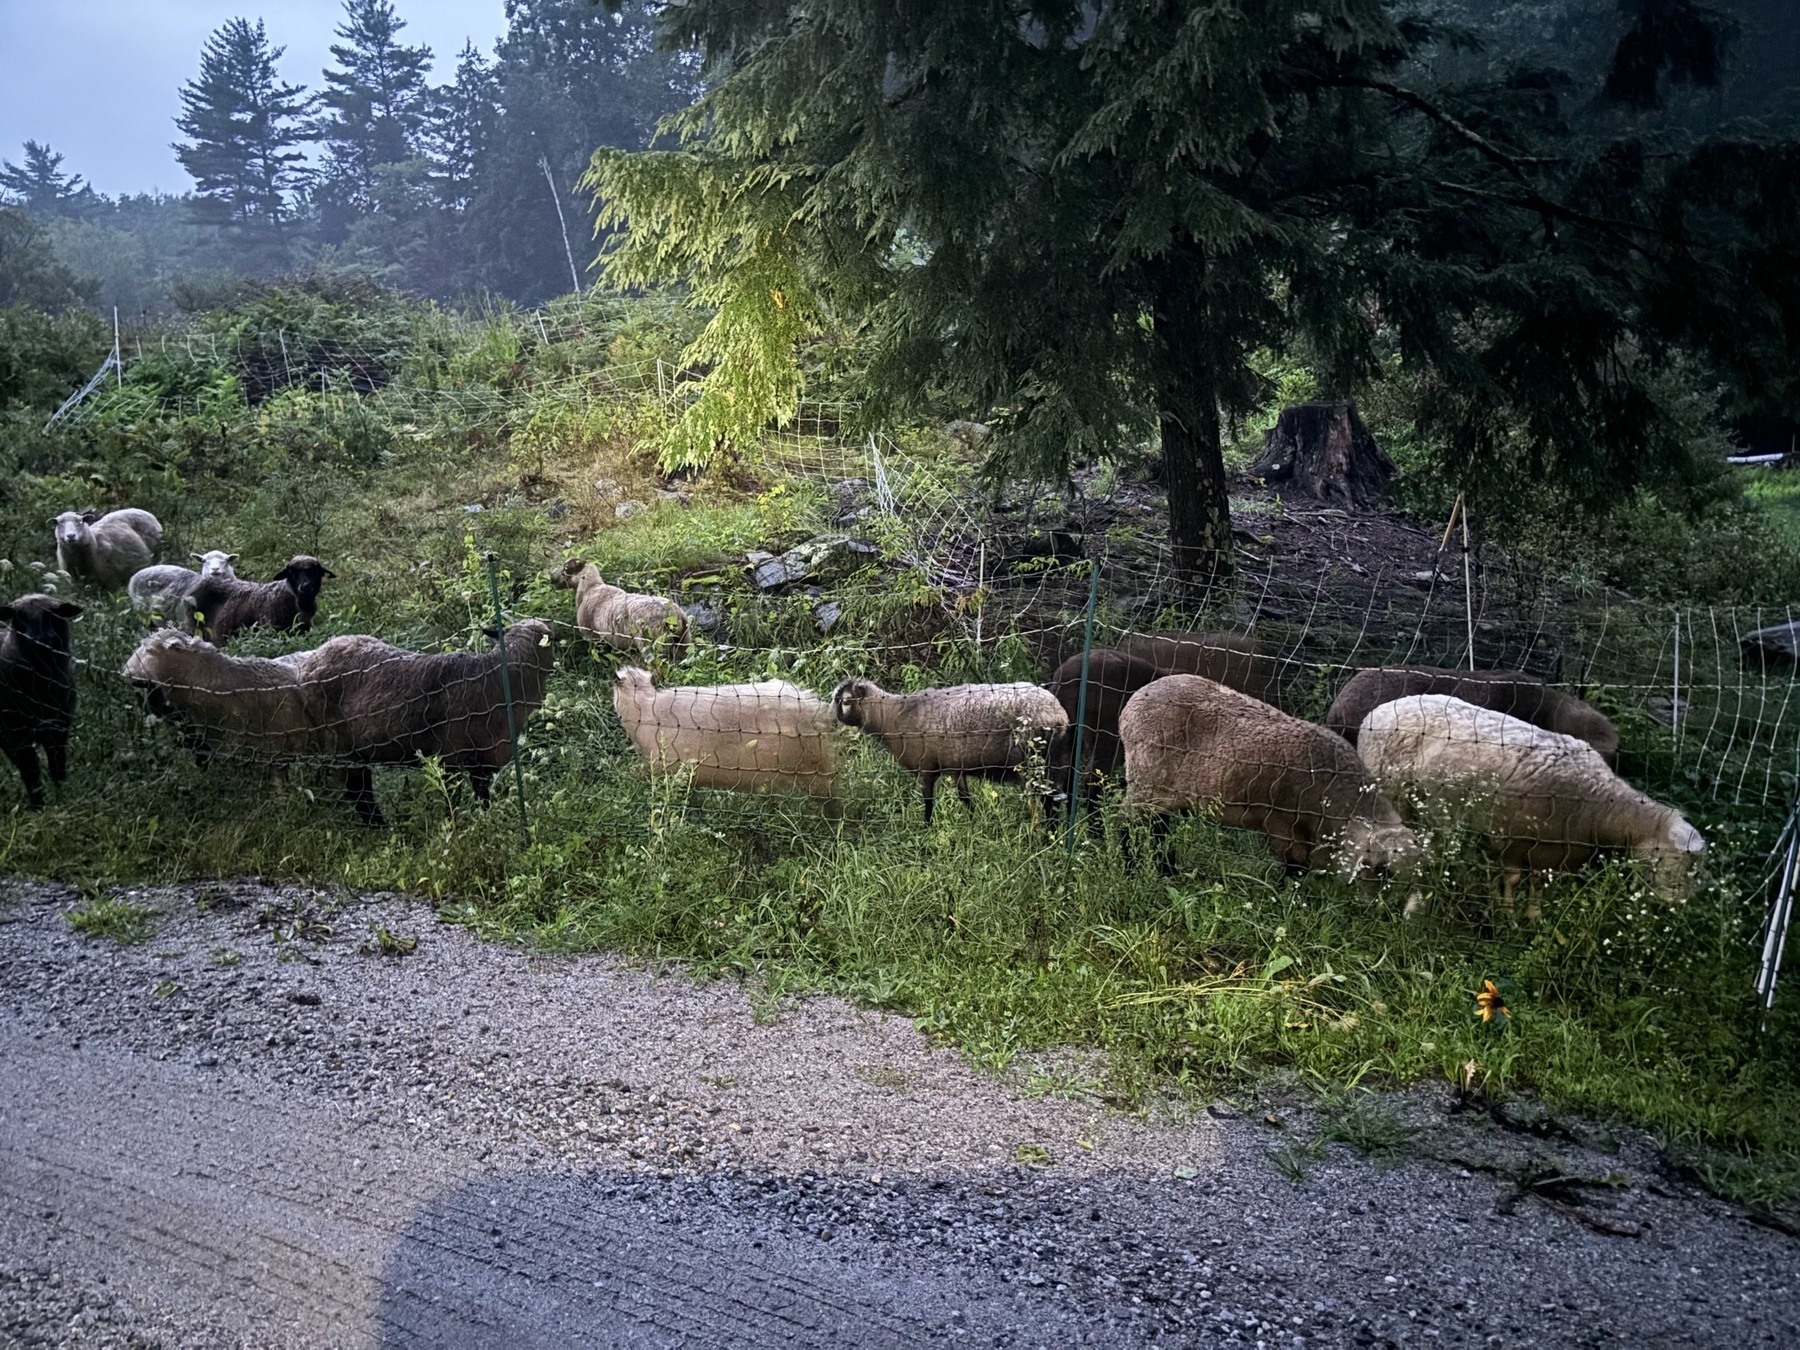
[1325,451]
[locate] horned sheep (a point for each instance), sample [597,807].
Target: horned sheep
[962,731]
[160,592]
[104,550]
[220,607]
[749,737]
[1551,800]
[1194,744]
[37,688]
[1507,691]
[610,616]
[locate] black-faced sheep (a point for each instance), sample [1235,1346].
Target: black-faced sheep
[1193,744]
[1549,801]
[749,737]
[1116,673]
[1508,691]
[160,593]
[222,607]
[610,616]
[386,705]
[963,731]
[104,550]
[237,707]
[37,688]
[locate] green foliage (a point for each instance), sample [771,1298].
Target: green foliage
[114,918]
[46,357]
[29,271]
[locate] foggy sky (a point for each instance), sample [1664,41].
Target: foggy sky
[99,79]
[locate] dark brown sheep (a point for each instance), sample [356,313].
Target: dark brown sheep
[1509,691]
[387,705]
[221,607]
[37,688]
[1116,673]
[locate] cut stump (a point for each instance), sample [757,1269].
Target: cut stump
[1323,450]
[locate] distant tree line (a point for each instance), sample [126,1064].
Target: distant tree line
[449,190]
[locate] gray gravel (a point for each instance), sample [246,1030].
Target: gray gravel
[255,1128]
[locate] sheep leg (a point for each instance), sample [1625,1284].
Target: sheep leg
[359,791]
[1509,883]
[56,755]
[962,791]
[481,779]
[1534,902]
[928,782]
[24,756]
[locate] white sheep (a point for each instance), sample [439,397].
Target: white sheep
[1550,801]
[244,707]
[771,735]
[158,592]
[1193,744]
[610,616]
[104,550]
[964,731]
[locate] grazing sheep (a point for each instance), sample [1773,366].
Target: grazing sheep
[104,550]
[385,705]
[219,608]
[159,592]
[965,731]
[1552,801]
[743,736]
[623,620]
[37,688]
[238,707]
[1193,744]
[1508,691]
[1116,673]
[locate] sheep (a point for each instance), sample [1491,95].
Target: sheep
[219,607]
[611,617]
[1116,673]
[965,731]
[37,688]
[104,550]
[1552,801]
[160,592]
[386,705]
[246,707]
[1195,744]
[749,737]
[1508,691]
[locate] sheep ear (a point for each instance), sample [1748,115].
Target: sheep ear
[198,557]
[327,572]
[90,516]
[231,557]
[66,609]
[8,613]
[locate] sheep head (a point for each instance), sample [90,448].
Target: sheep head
[305,576]
[72,526]
[848,698]
[215,563]
[568,576]
[41,620]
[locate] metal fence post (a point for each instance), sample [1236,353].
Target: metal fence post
[1087,655]
[512,729]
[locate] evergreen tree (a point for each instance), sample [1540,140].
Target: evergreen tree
[42,188]
[29,271]
[464,116]
[376,101]
[242,124]
[1083,221]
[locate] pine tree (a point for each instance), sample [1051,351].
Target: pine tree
[1082,221]
[464,117]
[242,124]
[376,101]
[42,188]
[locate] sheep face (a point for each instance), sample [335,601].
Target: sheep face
[216,563]
[847,701]
[41,622]
[72,526]
[568,576]
[305,577]
[1370,847]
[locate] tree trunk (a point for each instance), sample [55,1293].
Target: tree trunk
[1193,460]
[1323,450]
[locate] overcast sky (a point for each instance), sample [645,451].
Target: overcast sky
[99,79]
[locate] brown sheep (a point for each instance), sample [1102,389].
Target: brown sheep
[1193,744]
[1509,691]
[1116,673]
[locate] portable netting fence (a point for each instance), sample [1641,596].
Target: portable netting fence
[898,569]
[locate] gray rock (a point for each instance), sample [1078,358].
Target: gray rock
[626,510]
[823,559]
[703,617]
[1775,647]
[826,616]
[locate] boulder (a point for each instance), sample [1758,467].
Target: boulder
[823,559]
[1774,648]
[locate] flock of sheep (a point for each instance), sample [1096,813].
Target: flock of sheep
[1191,719]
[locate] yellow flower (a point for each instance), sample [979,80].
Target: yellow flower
[1489,1002]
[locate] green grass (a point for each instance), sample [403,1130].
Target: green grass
[1777,495]
[117,920]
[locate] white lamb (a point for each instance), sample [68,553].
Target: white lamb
[158,592]
[1552,802]
[104,550]
[772,734]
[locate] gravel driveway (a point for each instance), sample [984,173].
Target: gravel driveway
[257,1128]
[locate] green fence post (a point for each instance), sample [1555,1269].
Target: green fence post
[1087,655]
[512,728]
